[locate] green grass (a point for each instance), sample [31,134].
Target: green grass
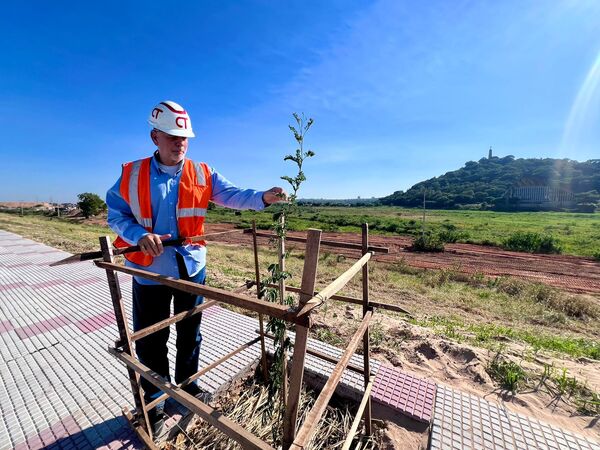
[509,374]
[60,233]
[575,233]
[488,333]
[514,377]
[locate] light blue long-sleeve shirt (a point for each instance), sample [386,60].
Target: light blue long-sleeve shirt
[164,190]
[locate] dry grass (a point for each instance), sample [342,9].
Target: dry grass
[447,294]
[250,407]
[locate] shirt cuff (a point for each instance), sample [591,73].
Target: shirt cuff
[259,203]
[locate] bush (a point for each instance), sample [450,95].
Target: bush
[452,236]
[532,243]
[509,374]
[428,243]
[586,207]
[90,204]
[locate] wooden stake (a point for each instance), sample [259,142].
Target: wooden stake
[263,350]
[361,408]
[312,419]
[366,307]
[309,276]
[124,335]
[138,429]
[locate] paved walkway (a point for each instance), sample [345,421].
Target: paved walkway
[59,388]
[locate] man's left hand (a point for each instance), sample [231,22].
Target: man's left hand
[274,195]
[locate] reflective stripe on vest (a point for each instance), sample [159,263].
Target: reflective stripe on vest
[191,212]
[200,177]
[136,179]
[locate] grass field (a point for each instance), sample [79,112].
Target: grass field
[509,308]
[578,234]
[529,322]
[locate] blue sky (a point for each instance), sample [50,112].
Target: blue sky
[400,91]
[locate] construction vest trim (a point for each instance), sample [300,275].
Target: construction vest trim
[191,212]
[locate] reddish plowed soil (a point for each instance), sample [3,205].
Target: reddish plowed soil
[571,273]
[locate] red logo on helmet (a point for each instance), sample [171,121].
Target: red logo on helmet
[184,119]
[156,112]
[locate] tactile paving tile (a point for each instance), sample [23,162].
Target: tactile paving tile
[465,422]
[408,394]
[59,387]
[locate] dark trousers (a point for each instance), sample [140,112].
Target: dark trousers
[151,304]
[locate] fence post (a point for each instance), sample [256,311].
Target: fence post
[309,275]
[366,349]
[124,334]
[260,316]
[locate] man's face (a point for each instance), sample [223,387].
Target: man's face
[171,149]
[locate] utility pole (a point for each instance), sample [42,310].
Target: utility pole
[423,229]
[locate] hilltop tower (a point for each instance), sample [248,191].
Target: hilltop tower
[490,153]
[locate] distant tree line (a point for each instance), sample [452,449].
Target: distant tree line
[483,184]
[339,202]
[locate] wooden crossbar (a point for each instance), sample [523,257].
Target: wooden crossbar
[325,357]
[335,286]
[246,439]
[202,371]
[348,245]
[171,320]
[220,295]
[343,298]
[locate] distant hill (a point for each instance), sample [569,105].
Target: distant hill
[493,182]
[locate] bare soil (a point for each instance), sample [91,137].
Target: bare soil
[570,273]
[420,351]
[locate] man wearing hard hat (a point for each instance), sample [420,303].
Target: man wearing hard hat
[166,196]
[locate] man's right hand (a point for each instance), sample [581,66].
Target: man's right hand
[151,244]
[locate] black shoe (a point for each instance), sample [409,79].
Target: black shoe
[156,416]
[194,390]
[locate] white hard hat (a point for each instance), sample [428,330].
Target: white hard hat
[172,119]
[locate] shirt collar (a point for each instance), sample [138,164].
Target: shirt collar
[156,163]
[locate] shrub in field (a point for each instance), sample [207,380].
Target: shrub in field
[428,242]
[452,236]
[576,306]
[596,255]
[508,373]
[90,204]
[532,243]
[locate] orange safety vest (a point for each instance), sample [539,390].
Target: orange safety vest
[195,190]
